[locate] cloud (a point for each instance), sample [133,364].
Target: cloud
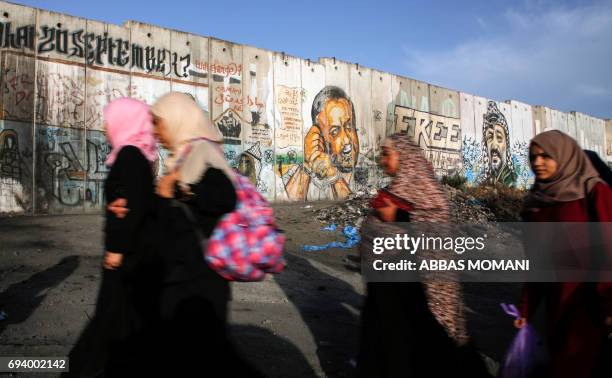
[482,23]
[550,55]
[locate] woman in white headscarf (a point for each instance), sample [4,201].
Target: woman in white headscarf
[194,298]
[194,143]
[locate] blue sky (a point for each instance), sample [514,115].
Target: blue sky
[553,53]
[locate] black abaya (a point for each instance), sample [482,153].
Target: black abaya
[194,298]
[116,340]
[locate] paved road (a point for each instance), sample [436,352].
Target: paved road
[301,323]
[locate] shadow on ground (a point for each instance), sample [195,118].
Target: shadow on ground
[21,299]
[258,344]
[325,303]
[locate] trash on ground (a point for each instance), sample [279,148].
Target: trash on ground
[352,238]
[331,227]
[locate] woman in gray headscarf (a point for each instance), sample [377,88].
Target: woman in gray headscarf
[569,189]
[409,327]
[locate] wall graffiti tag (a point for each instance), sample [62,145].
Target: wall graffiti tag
[438,136]
[72,173]
[234,97]
[95,49]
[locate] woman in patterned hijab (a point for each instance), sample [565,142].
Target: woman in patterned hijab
[416,183]
[401,319]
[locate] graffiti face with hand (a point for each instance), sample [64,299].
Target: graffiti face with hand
[331,148]
[497,145]
[337,124]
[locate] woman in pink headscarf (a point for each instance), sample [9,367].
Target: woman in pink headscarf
[193,334]
[129,128]
[115,342]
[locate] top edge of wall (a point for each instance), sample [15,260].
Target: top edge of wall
[321,60]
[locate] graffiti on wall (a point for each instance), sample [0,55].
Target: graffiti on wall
[10,158]
[438,136]
[218,71]
[15,173]
[60,96]
[473,162]
[520,162]
[331,150]
[496,149]
[238,116]
[71,171]
[250,164]
[288,137]
[230,125]
[237,101]
[247,137]
[497,158]
[95,49]
[266,126]
[97,150]
[102,88]
[18,84]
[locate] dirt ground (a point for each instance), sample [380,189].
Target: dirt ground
[303,322]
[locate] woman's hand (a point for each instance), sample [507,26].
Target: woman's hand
[520,322]
[118,207]
[387,213]
[112,260]
[165,185]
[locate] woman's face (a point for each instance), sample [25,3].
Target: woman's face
[542,164]
[389,161]
[160,130]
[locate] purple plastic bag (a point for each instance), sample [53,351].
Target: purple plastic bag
[527,356]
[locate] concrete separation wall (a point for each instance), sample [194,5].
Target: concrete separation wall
[300,130]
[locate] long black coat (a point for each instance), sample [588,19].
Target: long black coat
[194,298]
[115,340]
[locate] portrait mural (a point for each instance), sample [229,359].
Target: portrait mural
[331,150]
[496,149]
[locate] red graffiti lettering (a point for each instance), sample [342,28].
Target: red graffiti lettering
[230,69]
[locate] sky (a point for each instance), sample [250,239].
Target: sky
[541,52]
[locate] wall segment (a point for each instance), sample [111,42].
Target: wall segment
[301,130]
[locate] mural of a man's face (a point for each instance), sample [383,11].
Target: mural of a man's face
[337,124]
[246,167]
[497,144]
